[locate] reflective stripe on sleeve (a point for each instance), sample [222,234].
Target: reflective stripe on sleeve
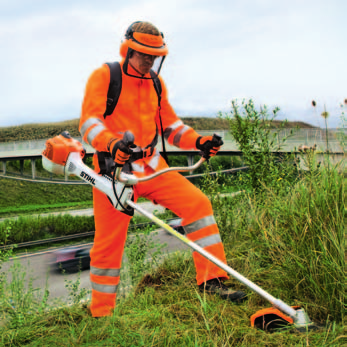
[168,131]
[104,272]
[208,240]
[95,132]
[177,137]
[105,288]
[199,224]
[88,123]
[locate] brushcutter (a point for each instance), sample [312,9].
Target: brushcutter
[63,155]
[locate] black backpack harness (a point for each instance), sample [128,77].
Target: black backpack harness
[105,160]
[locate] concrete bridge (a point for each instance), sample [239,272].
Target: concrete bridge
[31,150]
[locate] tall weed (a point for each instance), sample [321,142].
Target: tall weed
[253,132]
[143,253]
[292,242]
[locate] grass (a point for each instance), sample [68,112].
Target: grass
[21,193]
[29,209]
[165,310]
[31,228]
[287,236]
[291,243]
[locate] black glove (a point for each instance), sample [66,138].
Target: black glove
[209,145]
[120,151]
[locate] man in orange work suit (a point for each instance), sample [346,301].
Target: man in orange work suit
[137,110]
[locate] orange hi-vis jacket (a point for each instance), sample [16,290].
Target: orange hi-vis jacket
[137,110]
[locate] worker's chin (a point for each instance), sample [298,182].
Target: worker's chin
[145,69]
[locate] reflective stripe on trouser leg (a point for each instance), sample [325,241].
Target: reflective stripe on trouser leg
[176,193]
[204,232]
[104,290]
[106,255]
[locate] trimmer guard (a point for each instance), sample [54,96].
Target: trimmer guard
[270,319]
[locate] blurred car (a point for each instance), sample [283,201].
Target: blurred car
[72,259]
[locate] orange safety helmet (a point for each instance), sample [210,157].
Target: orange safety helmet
[145,38]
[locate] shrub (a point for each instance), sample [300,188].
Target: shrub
[252,130]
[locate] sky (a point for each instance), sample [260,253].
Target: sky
[277,53]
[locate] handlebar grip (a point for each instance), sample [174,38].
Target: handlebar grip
[128,138]
[217,140]
[216,137]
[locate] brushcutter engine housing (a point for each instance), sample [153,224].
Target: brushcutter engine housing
[56,153]
[63,156]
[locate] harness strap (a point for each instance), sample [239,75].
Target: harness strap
[158,89]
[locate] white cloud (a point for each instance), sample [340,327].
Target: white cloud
[280,53]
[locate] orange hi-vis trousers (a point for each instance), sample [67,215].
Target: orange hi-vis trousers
[172,191]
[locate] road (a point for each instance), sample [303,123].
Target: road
[36,270]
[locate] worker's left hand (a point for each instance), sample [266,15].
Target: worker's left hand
[209,145]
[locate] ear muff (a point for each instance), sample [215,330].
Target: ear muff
[123,50]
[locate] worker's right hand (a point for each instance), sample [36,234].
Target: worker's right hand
[209,145]
[120,152]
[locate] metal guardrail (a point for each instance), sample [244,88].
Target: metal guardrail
[21,178]
[31,150]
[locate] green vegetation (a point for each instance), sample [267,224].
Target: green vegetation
[23,197]
[23,194]
[29,209]
[289,243]
[286,234]
[37,131]
[252,131]
[39,228]
[32,228]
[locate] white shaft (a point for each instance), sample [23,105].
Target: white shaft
[75,166]
[276,302]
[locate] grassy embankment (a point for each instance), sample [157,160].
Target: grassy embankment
[287,235]
[64,197]
[21,198]
[291,243]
